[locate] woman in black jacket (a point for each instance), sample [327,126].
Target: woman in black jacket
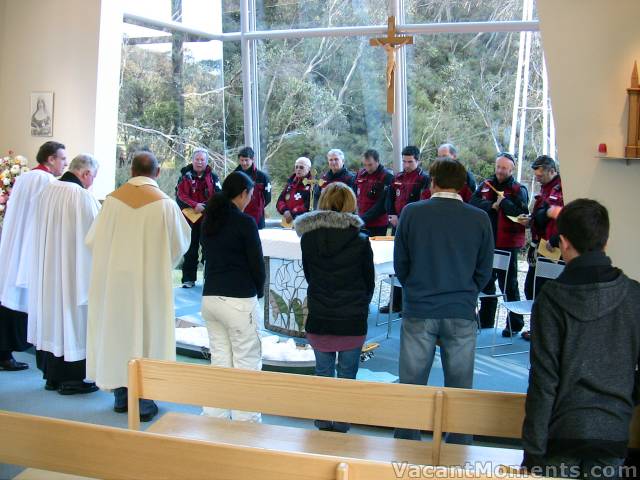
[234,277]
[338,265]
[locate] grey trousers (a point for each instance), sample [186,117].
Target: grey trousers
[418,338]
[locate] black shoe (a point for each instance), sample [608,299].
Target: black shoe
[486,325]
[12,366]
[385,309]
[73,388]
[51,386]
[147,417]
[124,409]
[526,336]
[506,333]
[188,284]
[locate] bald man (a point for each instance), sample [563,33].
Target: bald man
[501,196]
[137,239]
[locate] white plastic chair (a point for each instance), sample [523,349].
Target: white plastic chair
[545,268]
[501,260]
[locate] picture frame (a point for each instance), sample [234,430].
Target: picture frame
[41,114]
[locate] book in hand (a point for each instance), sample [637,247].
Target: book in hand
[382,238]
[546,250]
[191,214]
[286,224]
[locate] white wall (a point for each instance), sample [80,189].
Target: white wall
[53,46]
[590,46]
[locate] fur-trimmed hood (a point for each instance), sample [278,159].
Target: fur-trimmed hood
[332,231]
[326,219]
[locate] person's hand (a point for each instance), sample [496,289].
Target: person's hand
[393,220]
[199,207]
[287,216]
[553,212]
[531,254]
[549,247]
[524,220]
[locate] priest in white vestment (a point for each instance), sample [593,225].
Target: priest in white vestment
[59,277]
[137,239]
[16,250]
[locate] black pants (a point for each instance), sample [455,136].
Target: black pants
[488,306]
[377,231]
[191,258]
[57,370]
[397,291]
[13,332]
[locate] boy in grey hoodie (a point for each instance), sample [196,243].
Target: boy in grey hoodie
[583,383]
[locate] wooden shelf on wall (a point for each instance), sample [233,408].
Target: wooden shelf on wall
[609,157]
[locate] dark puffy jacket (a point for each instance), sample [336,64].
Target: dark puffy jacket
[338,265]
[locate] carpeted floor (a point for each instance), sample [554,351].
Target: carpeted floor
[24,391]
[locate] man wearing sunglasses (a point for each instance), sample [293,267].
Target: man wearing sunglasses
[502,197]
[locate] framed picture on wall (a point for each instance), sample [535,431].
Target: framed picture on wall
[41,114]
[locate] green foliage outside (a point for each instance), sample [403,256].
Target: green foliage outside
[322,93]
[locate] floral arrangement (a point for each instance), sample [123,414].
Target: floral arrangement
[11,167]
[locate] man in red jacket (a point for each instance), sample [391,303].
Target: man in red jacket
[502,197]
[548,205]
[448,150]
[296,196]
[196,186]
[405,188]
[262,185]
[372,183]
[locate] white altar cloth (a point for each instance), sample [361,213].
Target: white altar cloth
[285,244]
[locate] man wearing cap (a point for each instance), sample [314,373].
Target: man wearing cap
[295,197]
[262,185]
[372,183]
[502,197]
[405,188]
[546,208]
[337,173]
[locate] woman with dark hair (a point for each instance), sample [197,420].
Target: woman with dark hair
[338,265]
[234,277]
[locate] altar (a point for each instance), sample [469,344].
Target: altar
[285,293]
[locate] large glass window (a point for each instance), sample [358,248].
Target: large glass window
[317,94]
[462,89]
[179,91]
[447,11]
[171,100]
[199,14]
[278,14]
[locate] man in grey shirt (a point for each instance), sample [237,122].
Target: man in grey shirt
[443,257]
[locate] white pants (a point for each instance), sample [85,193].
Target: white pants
[232,324]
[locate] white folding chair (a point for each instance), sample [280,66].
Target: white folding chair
[545,268]
[501,260]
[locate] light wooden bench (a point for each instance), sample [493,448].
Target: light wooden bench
[436,409]
[62,449]
[493,414]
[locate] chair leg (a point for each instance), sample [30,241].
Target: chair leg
[390,308]
[378,312]
[495,331]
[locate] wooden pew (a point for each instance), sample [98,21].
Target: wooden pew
[434,409]
[94,451]
[437,409]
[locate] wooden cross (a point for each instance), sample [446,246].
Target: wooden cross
[313,181]
[391,43]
